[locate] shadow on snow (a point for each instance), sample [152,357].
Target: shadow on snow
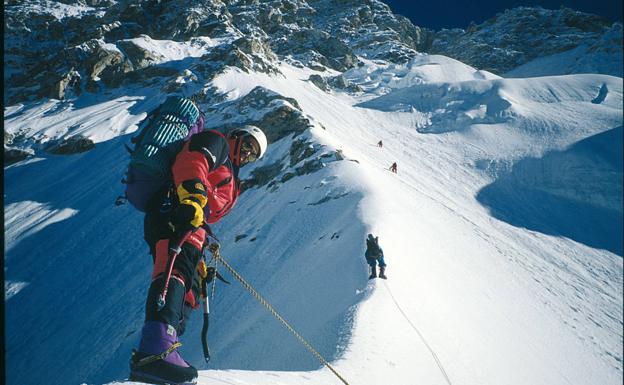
[576,193]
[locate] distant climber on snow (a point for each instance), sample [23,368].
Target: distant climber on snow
[204,187]
[393,167]
[374,255]
[380,144]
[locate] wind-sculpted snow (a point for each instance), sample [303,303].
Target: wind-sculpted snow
[39,216]
[448,107]
[452,106]
[378,77]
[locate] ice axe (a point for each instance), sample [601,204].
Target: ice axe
[175,247]
[211,273]
[204,332]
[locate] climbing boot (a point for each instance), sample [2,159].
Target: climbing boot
[157,361]
[373,273]
[382,272]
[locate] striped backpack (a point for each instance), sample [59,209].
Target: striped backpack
[161,136]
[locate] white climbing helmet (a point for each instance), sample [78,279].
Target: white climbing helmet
[254,132]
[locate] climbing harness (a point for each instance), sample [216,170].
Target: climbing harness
[214,249]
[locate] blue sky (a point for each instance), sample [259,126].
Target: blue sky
[439,14]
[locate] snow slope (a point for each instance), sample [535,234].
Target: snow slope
[478,292]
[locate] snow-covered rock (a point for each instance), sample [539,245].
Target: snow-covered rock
[114,41]
[568,41]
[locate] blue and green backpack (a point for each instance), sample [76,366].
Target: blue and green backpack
[161,136]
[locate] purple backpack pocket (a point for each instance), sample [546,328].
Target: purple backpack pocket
[141,186]
[196,128]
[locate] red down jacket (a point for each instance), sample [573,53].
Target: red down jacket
[205,159]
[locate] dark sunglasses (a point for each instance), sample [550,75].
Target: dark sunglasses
[248,152]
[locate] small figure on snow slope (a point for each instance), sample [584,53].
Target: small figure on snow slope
[205,188]
[374,255]
[380,144]
[393,167]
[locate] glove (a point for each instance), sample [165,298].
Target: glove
[206,275]
[203,274]
[202,270]
[189,215]
[211,272]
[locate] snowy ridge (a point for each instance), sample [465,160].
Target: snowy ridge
[439,240]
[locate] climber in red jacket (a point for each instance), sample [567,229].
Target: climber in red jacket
[205,188]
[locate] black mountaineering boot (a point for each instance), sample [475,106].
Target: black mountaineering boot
[382,272]
[373,273]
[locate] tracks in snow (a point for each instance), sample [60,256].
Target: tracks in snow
[422,338]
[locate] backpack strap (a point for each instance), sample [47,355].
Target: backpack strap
[144,123]
[167,118]
[157,116]
[167,204]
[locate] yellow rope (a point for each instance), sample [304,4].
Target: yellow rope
[259,298]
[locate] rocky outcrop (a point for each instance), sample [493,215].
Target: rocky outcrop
[138,56]
[262,176]
[314,45]
[102,61]
[319,81]
[276,115]
[44,46]
[93,45]
[69,82]
[282,122]
[519,35]
[258,52]
[304,159]
[176,19]
[71,145]
[337,82]
[301,149]
[371,29]
[100,44]
[14,155]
